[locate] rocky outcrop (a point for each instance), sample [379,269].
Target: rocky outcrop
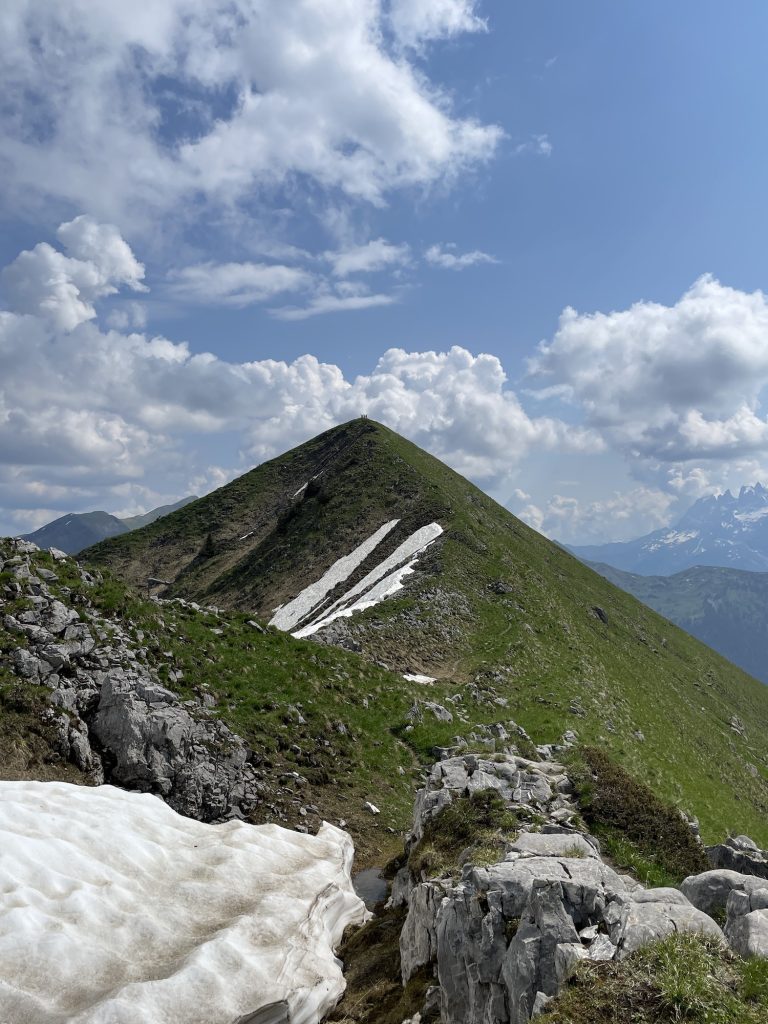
[711,890]
[113,717]
[740,854]
[746,926]
[502,938]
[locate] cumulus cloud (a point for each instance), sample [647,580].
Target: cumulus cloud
[667,384]
[617,517]
[63,288]
[95,409]
[131,109]
[415,22]
[448,257]
[377,254]
[236,284]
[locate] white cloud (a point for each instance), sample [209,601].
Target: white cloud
[539,145]
[128,110]
[415,22]
[377,254]
[236,284]
[103,246]
[327,300]
[617,517]
[447,257]
[94,410]
[127,316]
[63,288]
[667,384]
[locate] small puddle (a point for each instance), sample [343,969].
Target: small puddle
[370,886]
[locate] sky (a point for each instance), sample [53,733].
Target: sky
[526,234]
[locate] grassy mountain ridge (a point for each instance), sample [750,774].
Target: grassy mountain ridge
[507,621]
[724,608]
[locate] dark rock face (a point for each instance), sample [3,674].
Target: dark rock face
[739,854]
[114,718]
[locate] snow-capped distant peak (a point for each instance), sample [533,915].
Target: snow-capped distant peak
[673,537]
[718,529]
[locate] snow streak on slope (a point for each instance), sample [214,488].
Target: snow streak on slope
[116,910]
[381,582]
[289,615]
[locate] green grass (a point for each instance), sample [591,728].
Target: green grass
[655,698]
[479,824]
[328,715]
[680,979]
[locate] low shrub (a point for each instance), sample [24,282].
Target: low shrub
[612,800]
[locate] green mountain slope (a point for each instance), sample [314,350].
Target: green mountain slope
[511,625]
[725,608]
[136,522]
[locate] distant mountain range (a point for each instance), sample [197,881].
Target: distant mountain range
[78,530]
[726,608]
[724,531]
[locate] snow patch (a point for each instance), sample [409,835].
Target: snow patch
[673,537]
[416,677]
[289,615]
[751,517]
[381,582]
[116,910]
[247,535]
[298,494]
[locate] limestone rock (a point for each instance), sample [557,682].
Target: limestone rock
[746,927]
[649,921]
[710,890]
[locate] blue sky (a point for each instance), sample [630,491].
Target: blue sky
[440,178]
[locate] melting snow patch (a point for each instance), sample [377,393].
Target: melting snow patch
[416,677]
[673,537]
[373,587]
[751,517]
[116,910]
[298,494]
[289,615]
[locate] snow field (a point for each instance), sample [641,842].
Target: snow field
[116,910]
[381,582]
[289,615]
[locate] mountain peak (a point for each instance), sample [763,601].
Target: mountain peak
[717,530]
[751,490]
[361,540]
